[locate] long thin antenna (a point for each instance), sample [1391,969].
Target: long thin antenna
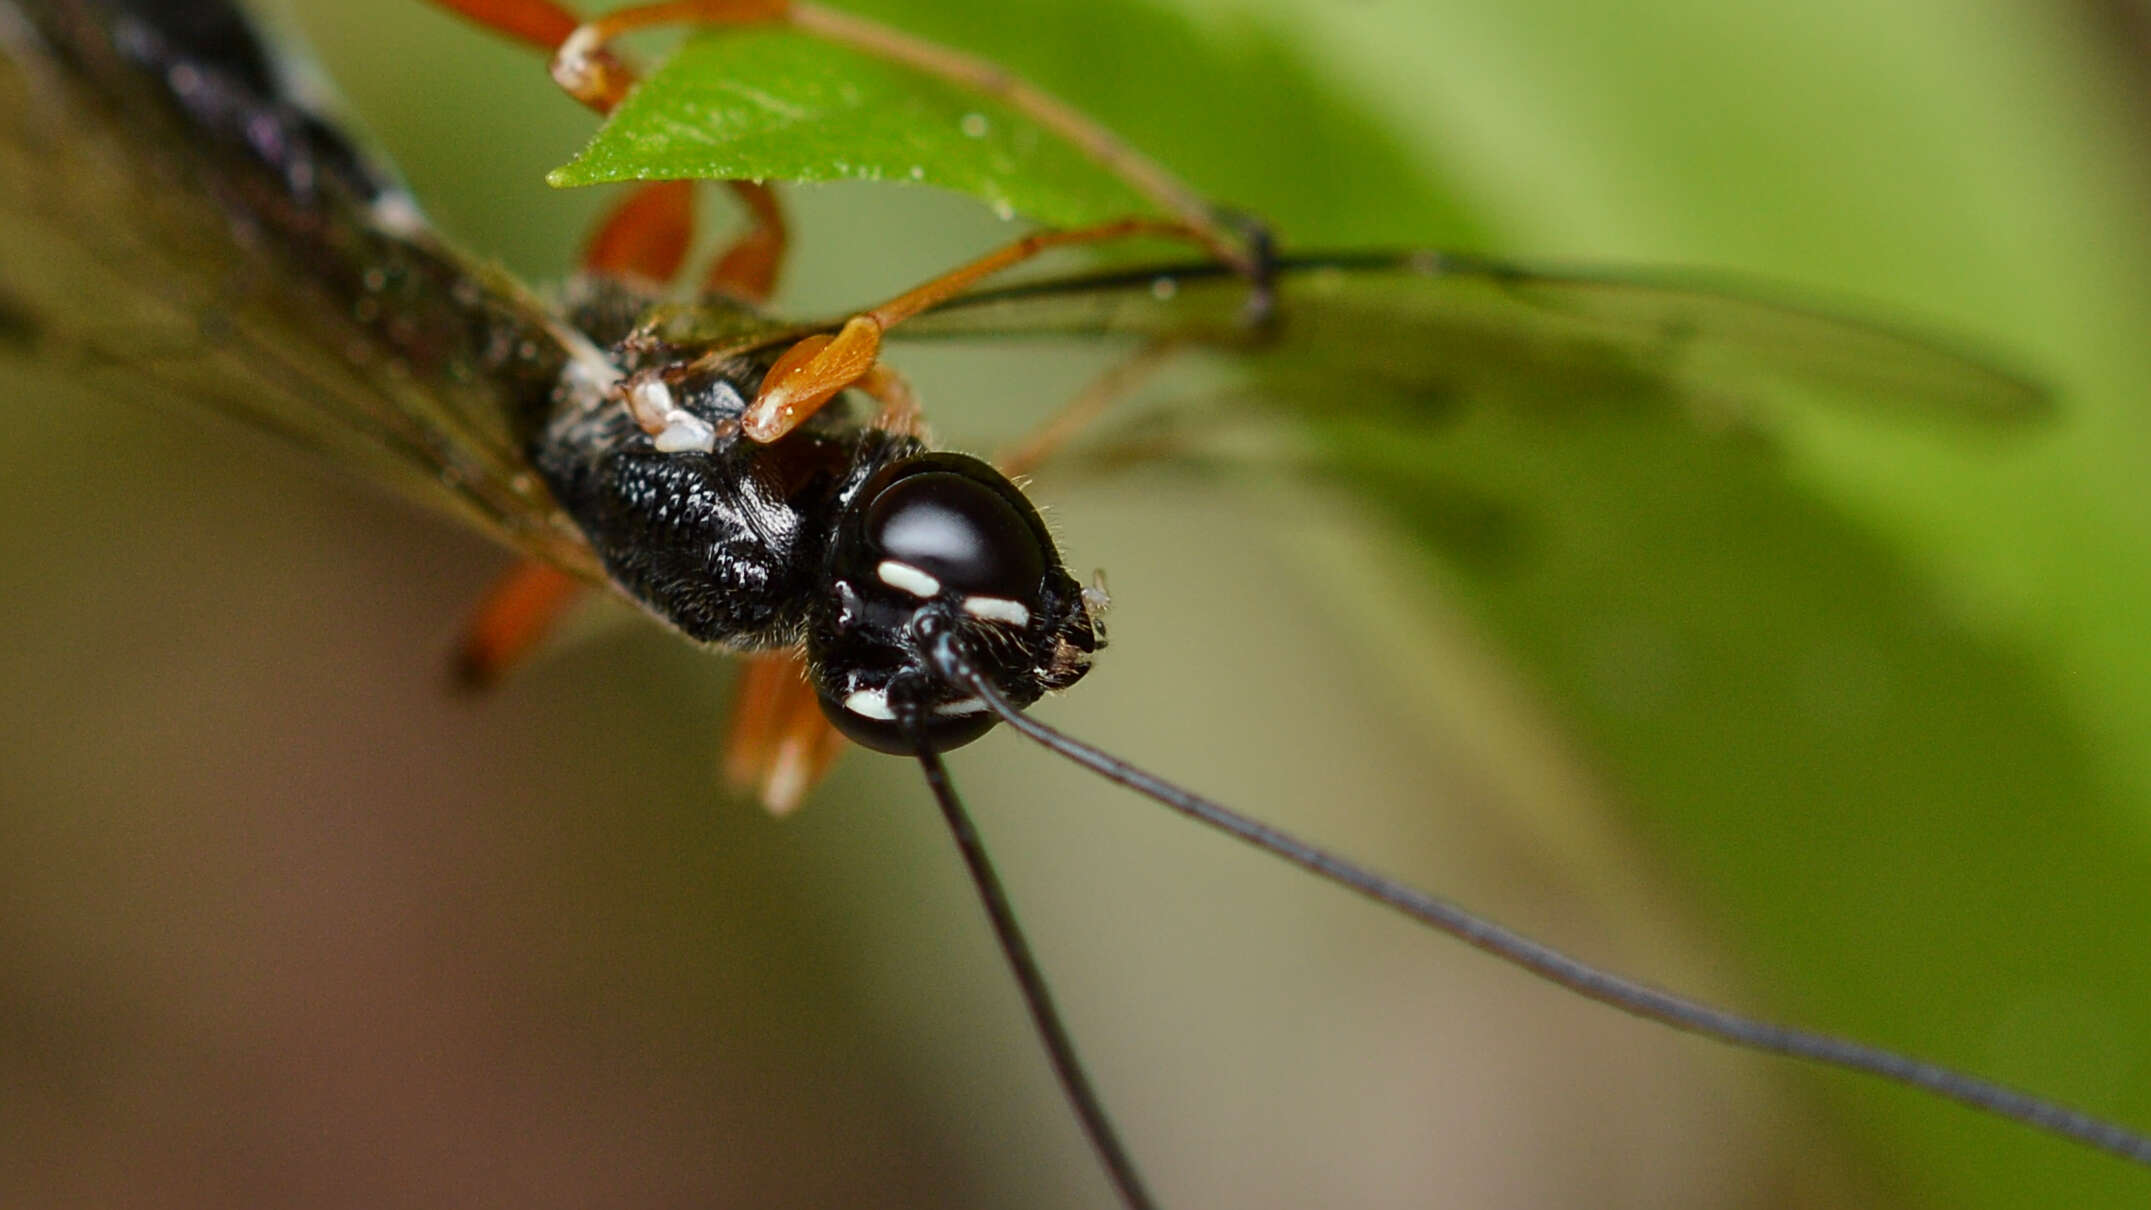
[944,650]
[1060,1048]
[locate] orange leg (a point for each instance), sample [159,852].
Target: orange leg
[603,80]
[900,411]
[810,373]
[1079,413]
[780,746]
[646,236]
[538,22]
[513,619]
[747,271]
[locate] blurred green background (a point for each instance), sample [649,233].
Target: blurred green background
[1844,727]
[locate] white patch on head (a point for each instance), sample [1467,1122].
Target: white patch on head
[874,704]
[906,578]
[871,703]
[997,609]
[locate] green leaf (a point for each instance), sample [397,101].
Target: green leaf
[1879,700]
[1234,106]
[1894,809]
[777,105]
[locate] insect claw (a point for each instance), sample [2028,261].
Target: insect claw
[1099,602]
[1259,244]
[585,70]
[1095,594]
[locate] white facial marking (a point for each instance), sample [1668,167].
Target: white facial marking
[969,705]
[871,703]
[906,578]
[997,609]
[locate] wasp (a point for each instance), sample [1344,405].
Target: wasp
[759,485]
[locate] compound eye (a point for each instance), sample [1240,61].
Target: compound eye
[943,531]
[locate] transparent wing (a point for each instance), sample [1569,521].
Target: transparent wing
[130,269]
[1447,326]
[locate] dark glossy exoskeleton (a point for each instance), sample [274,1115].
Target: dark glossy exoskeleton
[838,538]
[834,539]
